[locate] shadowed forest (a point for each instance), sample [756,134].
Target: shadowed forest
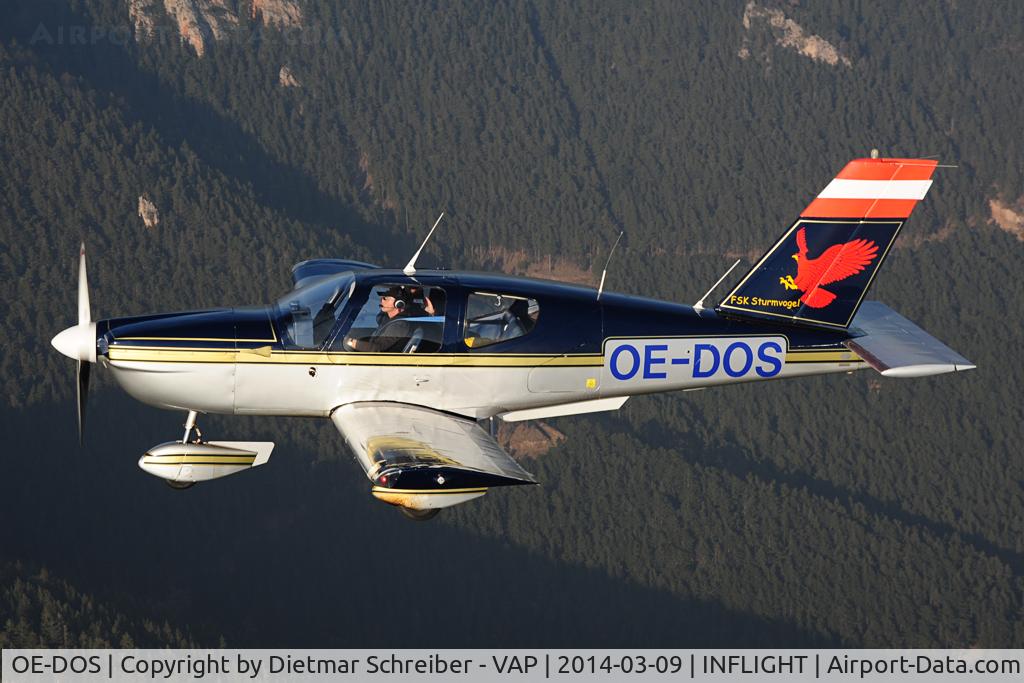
[849,510]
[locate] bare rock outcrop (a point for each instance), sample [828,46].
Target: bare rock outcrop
[279,13]
[364,166]
[287,79]
[528,439]
[1009,217]
[383,198]
[202,22]
[141,12]
[763,26]
[518,262]
[148,213]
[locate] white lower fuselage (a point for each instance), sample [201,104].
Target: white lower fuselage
[314,384]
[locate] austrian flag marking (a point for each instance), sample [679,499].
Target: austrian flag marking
[874,188]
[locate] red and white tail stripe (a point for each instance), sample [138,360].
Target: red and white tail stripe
[874,188]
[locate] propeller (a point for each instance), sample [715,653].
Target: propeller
[79,342]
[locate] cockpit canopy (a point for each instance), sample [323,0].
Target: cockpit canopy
[387,312]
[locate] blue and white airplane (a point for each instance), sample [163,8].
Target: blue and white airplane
[408,363]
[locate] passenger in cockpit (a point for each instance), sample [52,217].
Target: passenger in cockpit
[434,303]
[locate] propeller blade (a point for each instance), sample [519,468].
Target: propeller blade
[83,393]
[84,314]
[79,341]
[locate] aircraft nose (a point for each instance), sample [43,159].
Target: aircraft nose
[215,326]
[77,342]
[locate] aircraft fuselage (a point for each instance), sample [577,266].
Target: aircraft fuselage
[257,361]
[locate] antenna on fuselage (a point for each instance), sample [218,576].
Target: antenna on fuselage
[410,268]
[699,306]
[600,288]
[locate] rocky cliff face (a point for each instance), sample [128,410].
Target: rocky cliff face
[202,22]
[141,13]
[287,79]
[1009,217]
[280,13]
[148,212]
[528,439]
[764,27]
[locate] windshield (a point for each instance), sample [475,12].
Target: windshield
[306,316]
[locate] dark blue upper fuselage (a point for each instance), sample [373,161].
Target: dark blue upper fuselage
[571,319]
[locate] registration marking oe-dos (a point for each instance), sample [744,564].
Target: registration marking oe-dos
[654,361]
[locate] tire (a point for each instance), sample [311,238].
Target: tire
[179,485]
[419,515]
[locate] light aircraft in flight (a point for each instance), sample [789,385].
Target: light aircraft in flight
[409,363]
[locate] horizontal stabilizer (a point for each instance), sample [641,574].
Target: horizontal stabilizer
[896,347]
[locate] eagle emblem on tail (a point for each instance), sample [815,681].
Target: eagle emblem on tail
[836,263]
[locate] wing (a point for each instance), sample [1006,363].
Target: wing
[421,458]
[838,262]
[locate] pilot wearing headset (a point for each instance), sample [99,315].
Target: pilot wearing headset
[393,332]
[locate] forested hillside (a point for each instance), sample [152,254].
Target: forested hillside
[43,611]
[848,510]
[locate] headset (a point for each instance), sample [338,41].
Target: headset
[400,297]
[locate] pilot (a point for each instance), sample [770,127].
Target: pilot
[393,331]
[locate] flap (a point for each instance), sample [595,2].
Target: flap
[408,447]
[896,347]
[597,405]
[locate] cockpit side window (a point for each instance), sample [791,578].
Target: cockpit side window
[397,319]
[307,315]
[494,318]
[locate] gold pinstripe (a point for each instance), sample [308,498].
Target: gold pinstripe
[381,489]
[199,459]
[181,355]
[822,357]
[265,355]
[251,356]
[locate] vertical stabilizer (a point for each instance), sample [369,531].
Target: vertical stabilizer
[819,271]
